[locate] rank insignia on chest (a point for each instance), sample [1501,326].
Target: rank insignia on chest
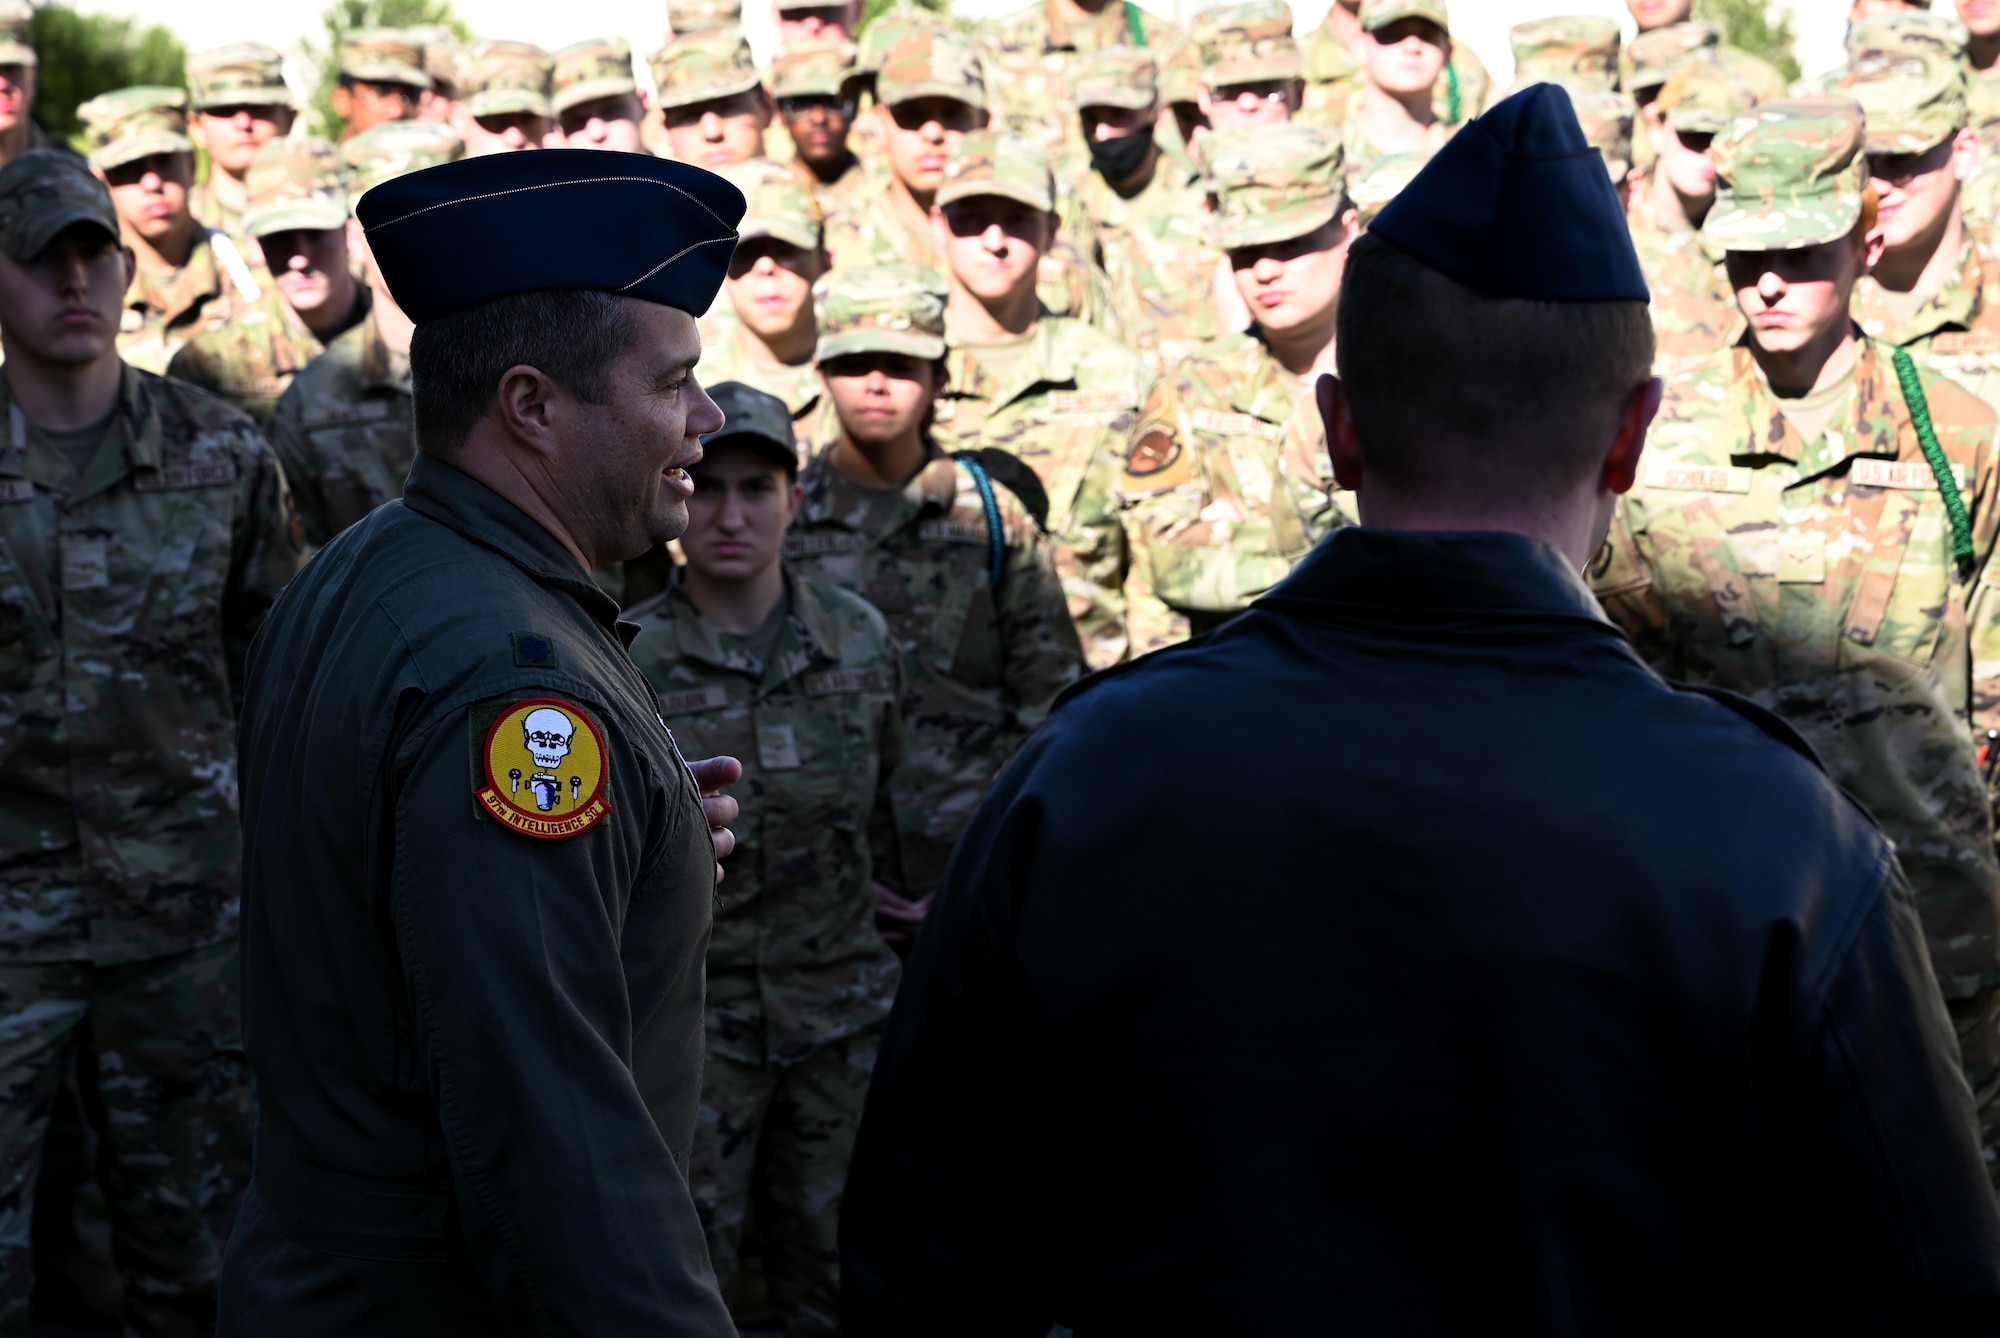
[542,769]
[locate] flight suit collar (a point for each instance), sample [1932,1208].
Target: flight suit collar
[802,642]
[381,369]
[463,503]
[131,442]
[1870,429]
[1428,576]
[1956,306]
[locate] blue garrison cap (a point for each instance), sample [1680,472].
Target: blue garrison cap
[1517,204]
[458,234]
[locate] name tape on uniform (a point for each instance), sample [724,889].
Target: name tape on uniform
[705,698]
[952,531]
[1906,474]
[816,545]
[830,681]
[1698,478]
[1088,401]
[173,478]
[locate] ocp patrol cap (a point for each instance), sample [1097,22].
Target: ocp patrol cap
[461,234]
[498,78]
[1247,44]
[17,33]
[243,74]
[295,183]
[1788,175]
[1606,119]
[1383,180]
[898,22]
[881,309]
[998,162]
[1115,76]
[931,63]
[1575,50]
[440,47]
[396,148]
[1913,102]
[777,203]
[1517,204]
[812,67]
[1273,183]
[1180,73]
[1660,53]
[704,66]
[128,124]
[755,420]
[383,56]
[1376,14]
[44,191]
[1918,31]
[1705,97]
[700,16]
[599,67]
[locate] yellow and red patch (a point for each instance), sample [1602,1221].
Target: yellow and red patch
[544,769]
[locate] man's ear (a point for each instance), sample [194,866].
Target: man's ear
[526,406]
[1628,443]
[1343,447]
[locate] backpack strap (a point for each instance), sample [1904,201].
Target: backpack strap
[996,543]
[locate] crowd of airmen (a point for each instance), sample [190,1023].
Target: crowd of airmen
[1020,335]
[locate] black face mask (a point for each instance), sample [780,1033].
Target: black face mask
[1119,158]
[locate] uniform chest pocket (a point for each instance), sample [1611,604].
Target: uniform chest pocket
[165,568]
[1902,596]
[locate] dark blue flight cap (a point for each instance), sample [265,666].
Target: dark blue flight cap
[458,234]
[1517,204]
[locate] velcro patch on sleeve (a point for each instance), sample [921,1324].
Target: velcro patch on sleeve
[542,768]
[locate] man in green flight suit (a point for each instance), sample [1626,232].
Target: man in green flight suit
[802,681]
[1811,531]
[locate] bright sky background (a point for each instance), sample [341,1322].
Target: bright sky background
[552,23]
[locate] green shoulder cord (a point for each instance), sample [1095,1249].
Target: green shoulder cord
[1454,101]
[996,540]
[1134,24]
[1920,418]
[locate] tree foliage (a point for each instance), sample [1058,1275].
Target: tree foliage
[82,55]
[346,16]
[1749,26]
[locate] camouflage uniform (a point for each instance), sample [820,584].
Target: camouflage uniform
[385,56]
[506,78]
[1382,181]
[1067,413]
[599,67]
[1031,55]
[130,586]
[1228,481]
[345,429]
[781,205]
[440,61]
[822,69]
[1154,244]
[982,659]
[799,981]
[1578,51]
[872,46]
[165,308]
[1694,309]
[1334,75]
[928,63]
[1360,150]
[1914,103]
[244,74]
[1817,577]
[294,184]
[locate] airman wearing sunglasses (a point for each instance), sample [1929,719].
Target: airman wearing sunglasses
[712,100]
[1694,311]
[597,102]
[813,81]
[241,103]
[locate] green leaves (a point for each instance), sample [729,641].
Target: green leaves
[82,55]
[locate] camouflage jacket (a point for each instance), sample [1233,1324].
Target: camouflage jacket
[980,668]
[1069,417]
[1333,75]
[251,361]
[1694,312]
[1816,578]
[211,212]
[870,232]
[165,309]
[841,192]
[1358,150]
[1155,253]
[128,596]
[1956,332]
[1227,486]
[729,359]
[794,960]
[1028,54]
[345,430]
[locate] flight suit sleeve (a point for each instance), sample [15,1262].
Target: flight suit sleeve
[267,550]
[1042,654]
[515,954]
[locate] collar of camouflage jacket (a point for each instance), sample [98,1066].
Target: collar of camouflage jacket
[1256,382]
[168,295]
[463,503]
[802,643]
[131,442]
[1420,577]
[833,498]
[1873,426]
[1956,306]
[1051,365]
[381,369]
